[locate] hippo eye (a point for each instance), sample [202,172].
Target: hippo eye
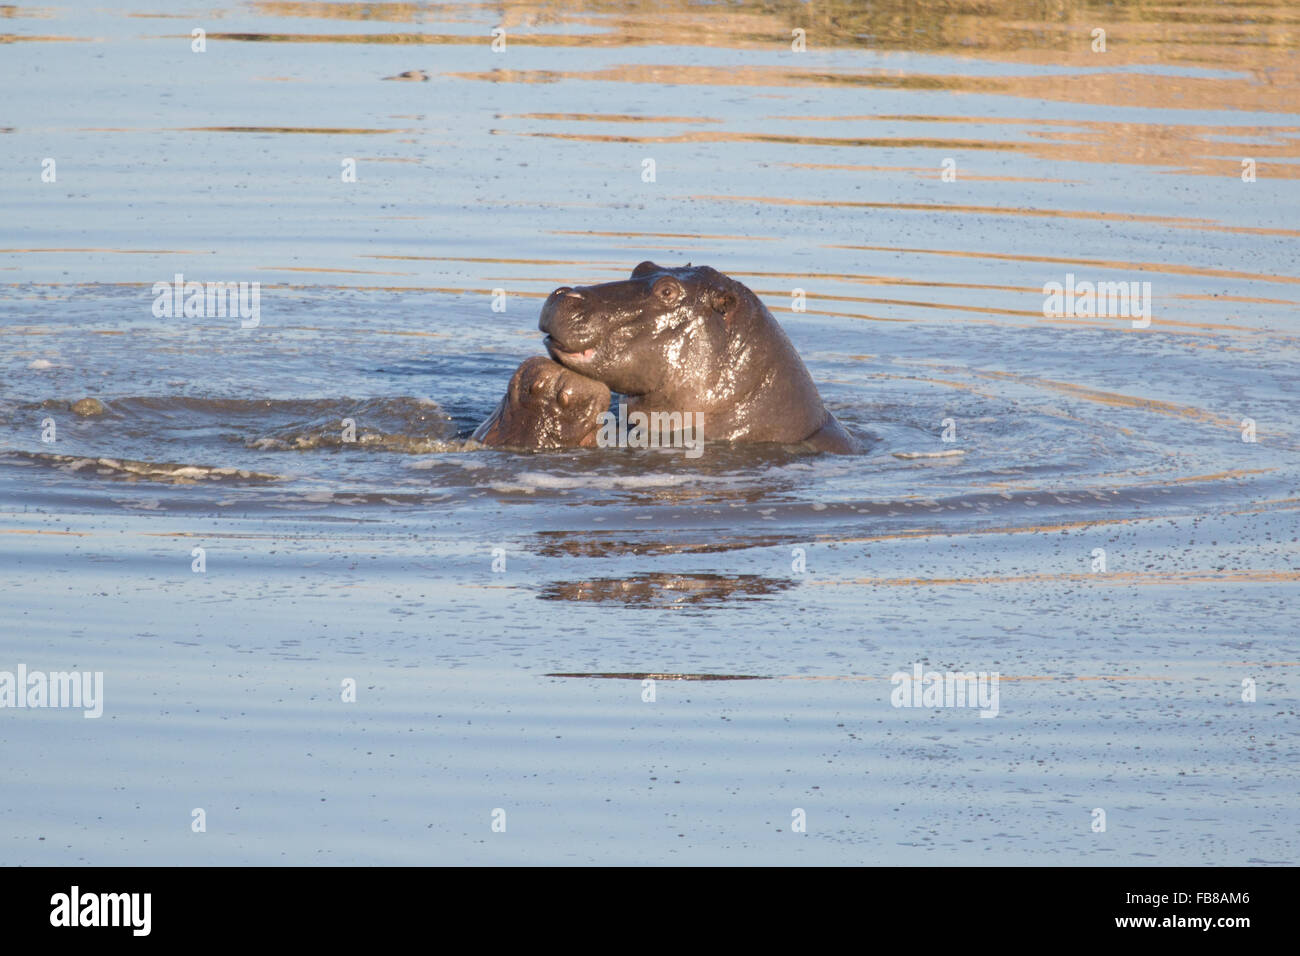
[668,290]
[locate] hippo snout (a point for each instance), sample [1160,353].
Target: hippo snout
[563,303]
[567,327]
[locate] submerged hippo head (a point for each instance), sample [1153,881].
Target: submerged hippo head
[546,406]
[691,340]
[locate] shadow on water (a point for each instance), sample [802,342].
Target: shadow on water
[666,591]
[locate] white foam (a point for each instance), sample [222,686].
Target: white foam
[912,455]
[424,464]
[529,482]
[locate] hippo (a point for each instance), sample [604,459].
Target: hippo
[692,340]
[546,406]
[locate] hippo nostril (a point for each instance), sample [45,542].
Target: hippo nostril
[565,398]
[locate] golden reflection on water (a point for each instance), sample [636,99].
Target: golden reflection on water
[1151,31]
[1118,89]
[607,118]
[1122,264]
[1257,40]
[1178,148]
[1176,222]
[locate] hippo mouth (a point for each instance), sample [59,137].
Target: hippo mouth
[564,357]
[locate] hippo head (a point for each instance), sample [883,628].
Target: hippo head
[546,406]
[663,330]
[691,340]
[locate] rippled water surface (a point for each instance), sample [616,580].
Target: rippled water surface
[920,171]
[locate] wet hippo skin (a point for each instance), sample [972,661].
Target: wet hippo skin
[546,406]
[692,340]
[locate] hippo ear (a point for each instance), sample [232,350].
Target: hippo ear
[723,302]
[645,269]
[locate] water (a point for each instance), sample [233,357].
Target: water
[522,170]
